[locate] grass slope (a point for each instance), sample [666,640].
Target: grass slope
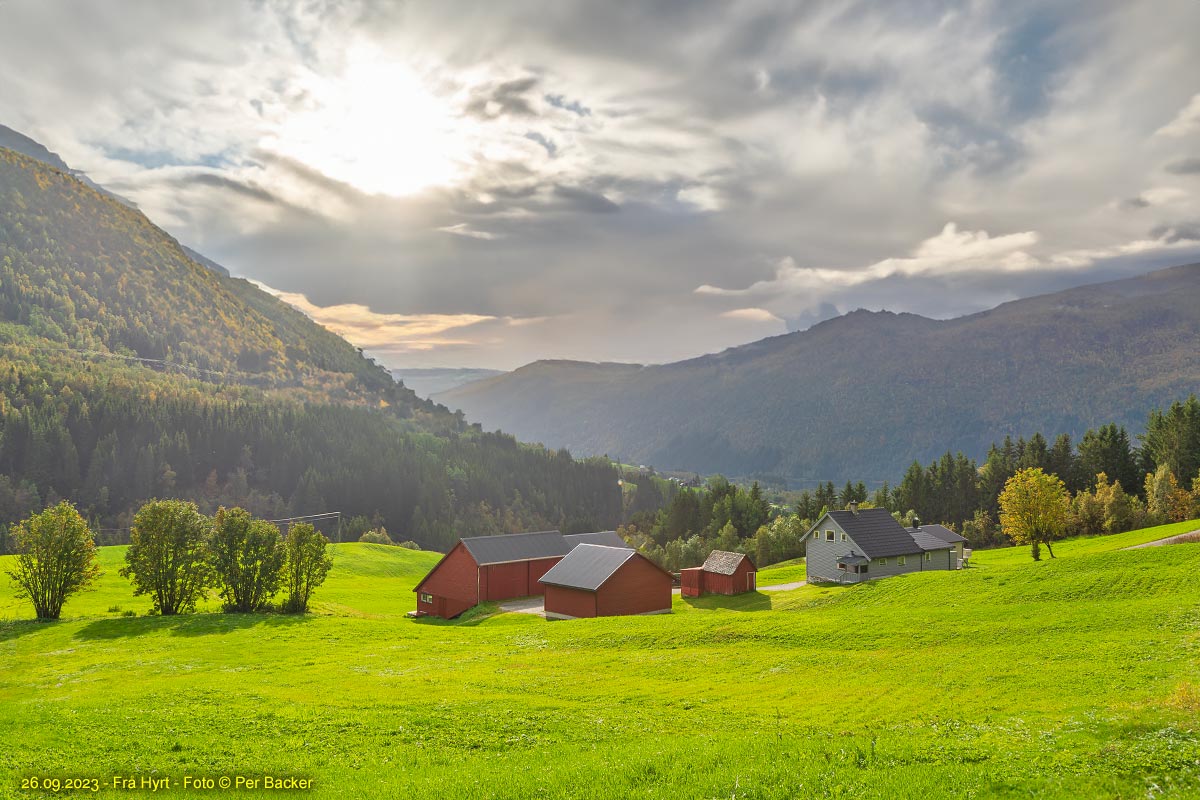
[1077,677]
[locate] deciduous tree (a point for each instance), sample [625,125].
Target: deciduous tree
[168,555]
[1033,509]
[56,558]
[305,566]
[247,556]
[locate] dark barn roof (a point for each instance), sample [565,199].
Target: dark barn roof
[927,541]
[722,562]
[876,531]
[942,532]
[516,547]
[606,538]
[588,566]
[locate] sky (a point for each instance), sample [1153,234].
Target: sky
[454,184]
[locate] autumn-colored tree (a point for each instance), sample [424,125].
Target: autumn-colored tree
[1033,509]
[168,555]
[56,558]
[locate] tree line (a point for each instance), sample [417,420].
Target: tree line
[176,556]
[1108,484]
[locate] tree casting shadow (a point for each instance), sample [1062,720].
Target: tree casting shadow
[185,625]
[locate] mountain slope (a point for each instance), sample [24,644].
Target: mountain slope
[431,382]
[90,274]
[862,395]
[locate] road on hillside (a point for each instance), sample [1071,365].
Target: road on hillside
[1161,542]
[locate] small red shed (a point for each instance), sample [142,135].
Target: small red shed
[722,573]
[483,568]
[598,581]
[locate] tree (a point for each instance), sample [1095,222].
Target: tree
[168,555]
[56,558]
[1033,509]
[1107,450]
[305,566]
[247,557]
[1173,438]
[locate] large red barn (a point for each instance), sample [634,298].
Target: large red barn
[722,573]
[598,581]
[483,568]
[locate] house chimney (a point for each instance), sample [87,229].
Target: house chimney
[852,506]
[916,523]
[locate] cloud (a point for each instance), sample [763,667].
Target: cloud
[951,251]
[1186,122]
[461,229]
[751,314]
[1184,166]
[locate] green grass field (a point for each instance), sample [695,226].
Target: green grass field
[1077,677]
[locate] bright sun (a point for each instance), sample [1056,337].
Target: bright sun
[376,127]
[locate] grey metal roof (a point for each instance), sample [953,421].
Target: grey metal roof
[927,541]
[942,532]
[606,538]
[516,547]
[588,566]
[876,531]
[722,562]
[853,559]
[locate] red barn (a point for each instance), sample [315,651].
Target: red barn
[483,568]
[598,581]
[722,573]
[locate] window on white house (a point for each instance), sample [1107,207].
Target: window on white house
[842,567]
[816,534]
[881,562]
[900,561]
[829,536]
[927,555]
[845,536]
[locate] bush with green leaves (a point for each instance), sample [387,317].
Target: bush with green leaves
[56,558]
[168,555]
[410,545]
[305,565]
[378,536]
[247,557]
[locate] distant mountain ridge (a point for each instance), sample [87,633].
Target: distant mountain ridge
[430,382]
[864,394]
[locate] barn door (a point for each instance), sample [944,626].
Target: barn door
[750,581]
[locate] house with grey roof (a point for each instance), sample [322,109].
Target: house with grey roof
[857,545]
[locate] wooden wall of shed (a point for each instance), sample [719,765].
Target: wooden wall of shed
[691,582]
[638,587]
[570,602]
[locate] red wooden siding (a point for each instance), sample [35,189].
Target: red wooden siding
[637,587]
[738,582]
[691,582]
[518,579]
[570,602]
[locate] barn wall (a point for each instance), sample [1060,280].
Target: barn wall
[638,587]
[691,582]
[506,581]
[536,570]
[570,602]
[453,577]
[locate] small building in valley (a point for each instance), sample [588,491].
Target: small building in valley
[600,581]
[946,535]
[857,545]
[483,568]
[723,572]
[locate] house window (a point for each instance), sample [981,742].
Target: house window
[900,561]
[829,536]
[927,555]
[426,597]
[845,536]
[841,566]
[862,570]
[816,534]
[882,562]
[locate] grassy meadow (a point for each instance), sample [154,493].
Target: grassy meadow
[1077,677]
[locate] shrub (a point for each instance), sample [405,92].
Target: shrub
[410,545]
[56,558]
[306,565]
[247,556]
[379,536]
[168,555]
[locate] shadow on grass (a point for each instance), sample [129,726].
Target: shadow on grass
[15,628]
[750,601]
[185,625]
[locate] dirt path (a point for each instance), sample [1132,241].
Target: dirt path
[783,587]
[1160,542]
[524,605]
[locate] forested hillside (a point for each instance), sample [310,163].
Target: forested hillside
[863,395]
[129,371]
